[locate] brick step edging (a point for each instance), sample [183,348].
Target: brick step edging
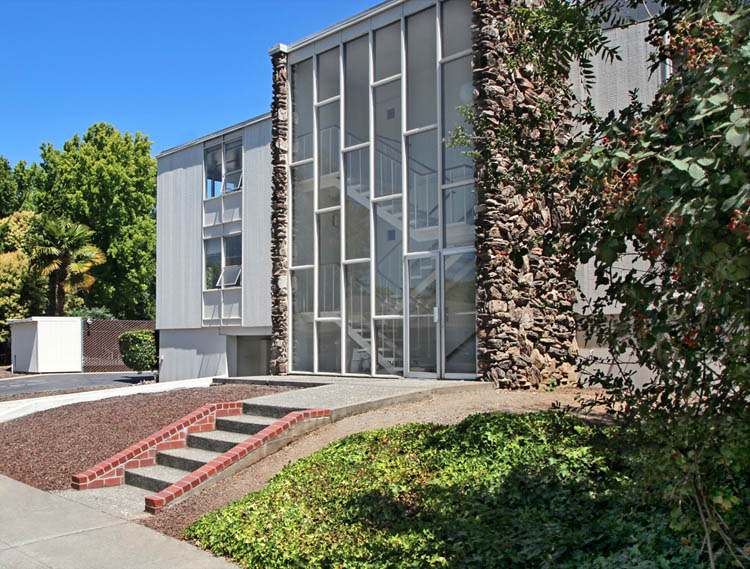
[111,472]
[159,501]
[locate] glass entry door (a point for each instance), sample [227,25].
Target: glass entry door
[441,315]
[423,316]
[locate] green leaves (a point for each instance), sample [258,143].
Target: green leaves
[497,490]
[736,136]
[696,172]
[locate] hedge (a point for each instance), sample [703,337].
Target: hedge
[138,350]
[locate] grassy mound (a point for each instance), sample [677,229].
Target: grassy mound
[509,491]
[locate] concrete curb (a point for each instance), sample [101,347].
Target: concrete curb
[14,409]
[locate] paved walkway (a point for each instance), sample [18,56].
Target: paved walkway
[40,530]
[43,531]
[63,381]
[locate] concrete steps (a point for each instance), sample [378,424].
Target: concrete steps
[154,478]
[186,458]
[172,465]
[197,450]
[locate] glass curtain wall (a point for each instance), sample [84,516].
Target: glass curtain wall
[382,207]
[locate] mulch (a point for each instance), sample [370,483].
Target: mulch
[45,449]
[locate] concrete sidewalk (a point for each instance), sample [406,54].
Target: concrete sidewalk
[39,530]
[346,396]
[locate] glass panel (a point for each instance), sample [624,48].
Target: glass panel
[212,251]
[456,26]
[233,250]
[329,261]
[388,139]
[421,70]
[212,162]
[302,106]
[302,320]
[328,156]
[460,314]
[230,276]
[422,315]
[358,318]
[422,191]
[302,215]
[387,51]
[328,74]
[233,181]
[388,258]
[457,92]
[389,343]
[357,178]
[329,347]
[458,208]
[357,90]
[233,156]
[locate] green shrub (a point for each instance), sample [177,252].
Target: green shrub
[509,491]
[138,350]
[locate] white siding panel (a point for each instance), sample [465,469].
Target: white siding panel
[615,81]
[189,354]
[256,221]
[179,248]
[611,92]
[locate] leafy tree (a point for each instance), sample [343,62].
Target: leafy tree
[16,186]
[17,231]
[21,293]
[66,257]
[93,312]
[668,186]
[107,181]
[7,188]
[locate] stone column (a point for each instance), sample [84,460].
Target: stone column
[279,363]
[525,324]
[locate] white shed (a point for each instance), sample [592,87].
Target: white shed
[46,344]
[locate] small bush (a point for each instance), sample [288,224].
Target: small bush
[138,350]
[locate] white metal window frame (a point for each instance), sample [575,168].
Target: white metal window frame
[222,142]
[438,126]
[224,266]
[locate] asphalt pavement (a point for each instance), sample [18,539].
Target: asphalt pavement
[64,381]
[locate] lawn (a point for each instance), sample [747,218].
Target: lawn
[539,490]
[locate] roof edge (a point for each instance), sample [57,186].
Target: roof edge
[223,131]
[381,7]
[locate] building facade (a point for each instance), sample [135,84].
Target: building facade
[339,234]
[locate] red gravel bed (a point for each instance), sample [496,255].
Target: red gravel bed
[45,449]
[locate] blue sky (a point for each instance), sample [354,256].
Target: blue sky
[174,70]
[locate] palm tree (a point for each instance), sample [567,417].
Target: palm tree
[65,255]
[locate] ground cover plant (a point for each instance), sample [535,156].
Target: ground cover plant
[497,490]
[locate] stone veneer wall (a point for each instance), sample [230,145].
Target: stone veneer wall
[279,215]
[525,324]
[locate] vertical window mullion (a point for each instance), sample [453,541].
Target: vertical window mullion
[441,213]
[342,202]
[439,86]
[289,221]
[371,111]
[404,205]
[316,170]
